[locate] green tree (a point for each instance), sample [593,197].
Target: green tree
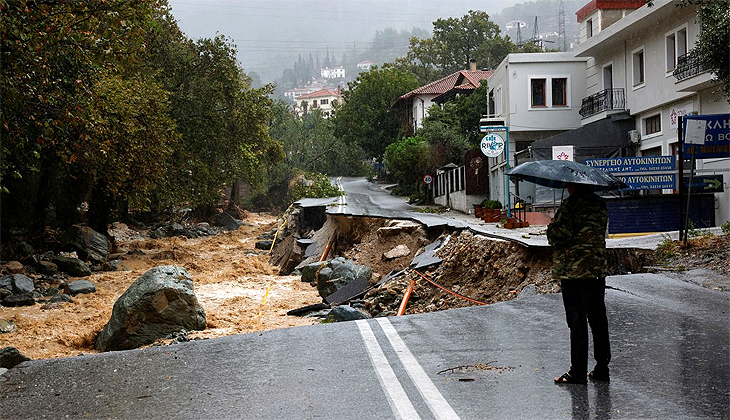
[408,161]
[713,43]
[454,42]
[367,118]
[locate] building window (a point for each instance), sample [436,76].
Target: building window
[560,91]
[676,46]
[324,101]
[537,90]
[638,67]
[653,124]
[589,28]
[490,102]
[314,103]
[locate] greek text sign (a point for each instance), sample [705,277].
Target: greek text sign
[633,164]
[492,145]
[649,181]
[717,137]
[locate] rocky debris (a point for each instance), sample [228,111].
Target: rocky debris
[346,313]
[112,265]
[14,267]
[198,230]
[338,273]
[79,287]
[226,221]
[6,326]
[17,290]
[60,298]
[25,249]
[122,233]
[72,266]
[265,244]
[47,267]
[157,304]
[287,254]
[396,227]
[11,357]
[397,252]
[88,243]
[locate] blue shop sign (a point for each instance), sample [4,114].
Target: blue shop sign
[649,181]
[717,137]
[633,164]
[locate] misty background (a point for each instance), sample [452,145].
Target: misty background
[271,35]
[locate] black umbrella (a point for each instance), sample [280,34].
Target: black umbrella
[558,173]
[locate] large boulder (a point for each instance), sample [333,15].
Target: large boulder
[347,313]
[72,266]
[77,287]
[88,243]
[338,273]
[225,220]
[157,304]
[17,290]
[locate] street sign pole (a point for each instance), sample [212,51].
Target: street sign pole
[680,181]
[489,129]
[509,211]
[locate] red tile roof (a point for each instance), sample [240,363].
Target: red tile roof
[320,93]
[594,5]
[464,78]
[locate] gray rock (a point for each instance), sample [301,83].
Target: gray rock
[158,233]
[157,304]
[265,244]
[338,273]
[19,299]
[11,357]
[88,243]
[176,229]
[527,291]
[309,271]
[16,283]
[64,298]
[347,313]
[47,267]
[225,220]
[72,266]
[2,371]
[78,287]
[113,265]
[6,326]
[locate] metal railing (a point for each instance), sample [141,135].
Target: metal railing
[602,101]
[688,65]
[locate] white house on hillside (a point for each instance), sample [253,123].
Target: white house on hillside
[335,73]
[537,95]
[641,64]
[323,99]
[365,65]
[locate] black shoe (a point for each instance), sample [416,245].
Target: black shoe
[567,379]
[598,375]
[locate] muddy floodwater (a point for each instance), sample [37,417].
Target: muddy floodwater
[230,279]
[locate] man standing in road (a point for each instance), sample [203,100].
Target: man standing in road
[577,235]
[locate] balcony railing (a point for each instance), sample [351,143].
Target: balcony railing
[688,65]
[602,101]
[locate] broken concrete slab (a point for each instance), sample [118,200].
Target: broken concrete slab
[349,291]
[428,257]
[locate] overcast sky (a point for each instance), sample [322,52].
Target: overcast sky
[269,32]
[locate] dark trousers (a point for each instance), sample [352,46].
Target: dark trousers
[584,299]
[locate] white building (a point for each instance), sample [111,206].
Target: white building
[640,62]
[335,73]
[323,99]
[537,96]
[365,65]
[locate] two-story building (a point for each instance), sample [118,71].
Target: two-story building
[537,96]
[335,73]
[417,102]
[323,99]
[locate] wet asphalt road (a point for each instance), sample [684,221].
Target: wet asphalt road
[671,360]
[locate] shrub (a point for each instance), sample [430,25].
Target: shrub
[492,204]
[312,185]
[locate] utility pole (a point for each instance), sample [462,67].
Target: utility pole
[561,27]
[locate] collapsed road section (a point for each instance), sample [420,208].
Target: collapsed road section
[367,264]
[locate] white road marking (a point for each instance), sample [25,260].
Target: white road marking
[341,201]
[399,402]
[436,402]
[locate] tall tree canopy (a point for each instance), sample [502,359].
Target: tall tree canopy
[454,42]
[367,118]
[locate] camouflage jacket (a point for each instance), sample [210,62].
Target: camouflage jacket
[578,237]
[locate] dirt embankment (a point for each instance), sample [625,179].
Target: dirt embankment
[230,278]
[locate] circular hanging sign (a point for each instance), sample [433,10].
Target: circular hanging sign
[492,145]
[427,179]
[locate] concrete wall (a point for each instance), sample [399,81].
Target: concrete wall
[419,109]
